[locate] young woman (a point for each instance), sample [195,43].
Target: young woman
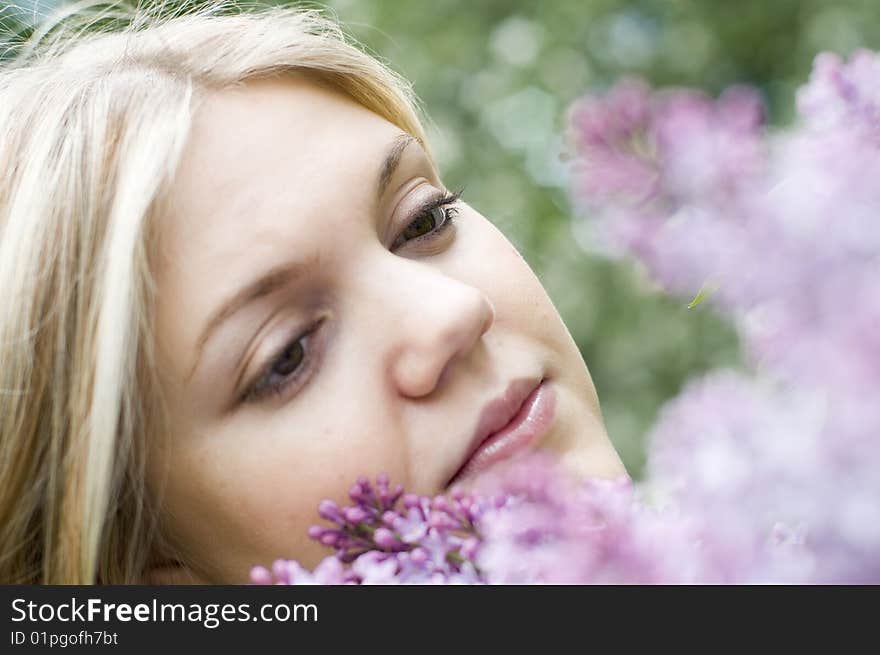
[234,282]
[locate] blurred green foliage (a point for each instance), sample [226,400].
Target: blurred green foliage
[496,77]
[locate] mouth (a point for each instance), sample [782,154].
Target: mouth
[508,425]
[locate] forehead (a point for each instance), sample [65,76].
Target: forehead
[275,141]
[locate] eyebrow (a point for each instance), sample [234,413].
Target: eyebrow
[392,161]
[282,275]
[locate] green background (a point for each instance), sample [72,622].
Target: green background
[496,78]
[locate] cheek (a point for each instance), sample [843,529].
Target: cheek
[247,492]
[518,296]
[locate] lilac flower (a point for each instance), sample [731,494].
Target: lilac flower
[386,537]
[652,177]
[622,164]
[554,529]
[778,465]
[843,95]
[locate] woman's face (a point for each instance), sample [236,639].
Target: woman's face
[326,310]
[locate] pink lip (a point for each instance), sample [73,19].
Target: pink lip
[509,424]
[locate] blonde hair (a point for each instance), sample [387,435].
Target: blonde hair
[95,109]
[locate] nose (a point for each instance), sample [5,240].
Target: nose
[437,320]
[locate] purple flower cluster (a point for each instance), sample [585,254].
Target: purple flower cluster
[783,226]
[556,529]
[542,526]
[668,177]
[387,537]
[760,477]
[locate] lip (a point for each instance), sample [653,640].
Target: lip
[508,425]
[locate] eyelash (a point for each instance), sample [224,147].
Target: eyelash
[443,201]
[263,388]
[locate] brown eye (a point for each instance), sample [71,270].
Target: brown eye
[429,221]
[424,223]
[290,359]
[289,367]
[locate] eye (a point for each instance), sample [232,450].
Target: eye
[287,368]
[429,220]
[425,223]
[290,359]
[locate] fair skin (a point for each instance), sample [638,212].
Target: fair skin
[410,330]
